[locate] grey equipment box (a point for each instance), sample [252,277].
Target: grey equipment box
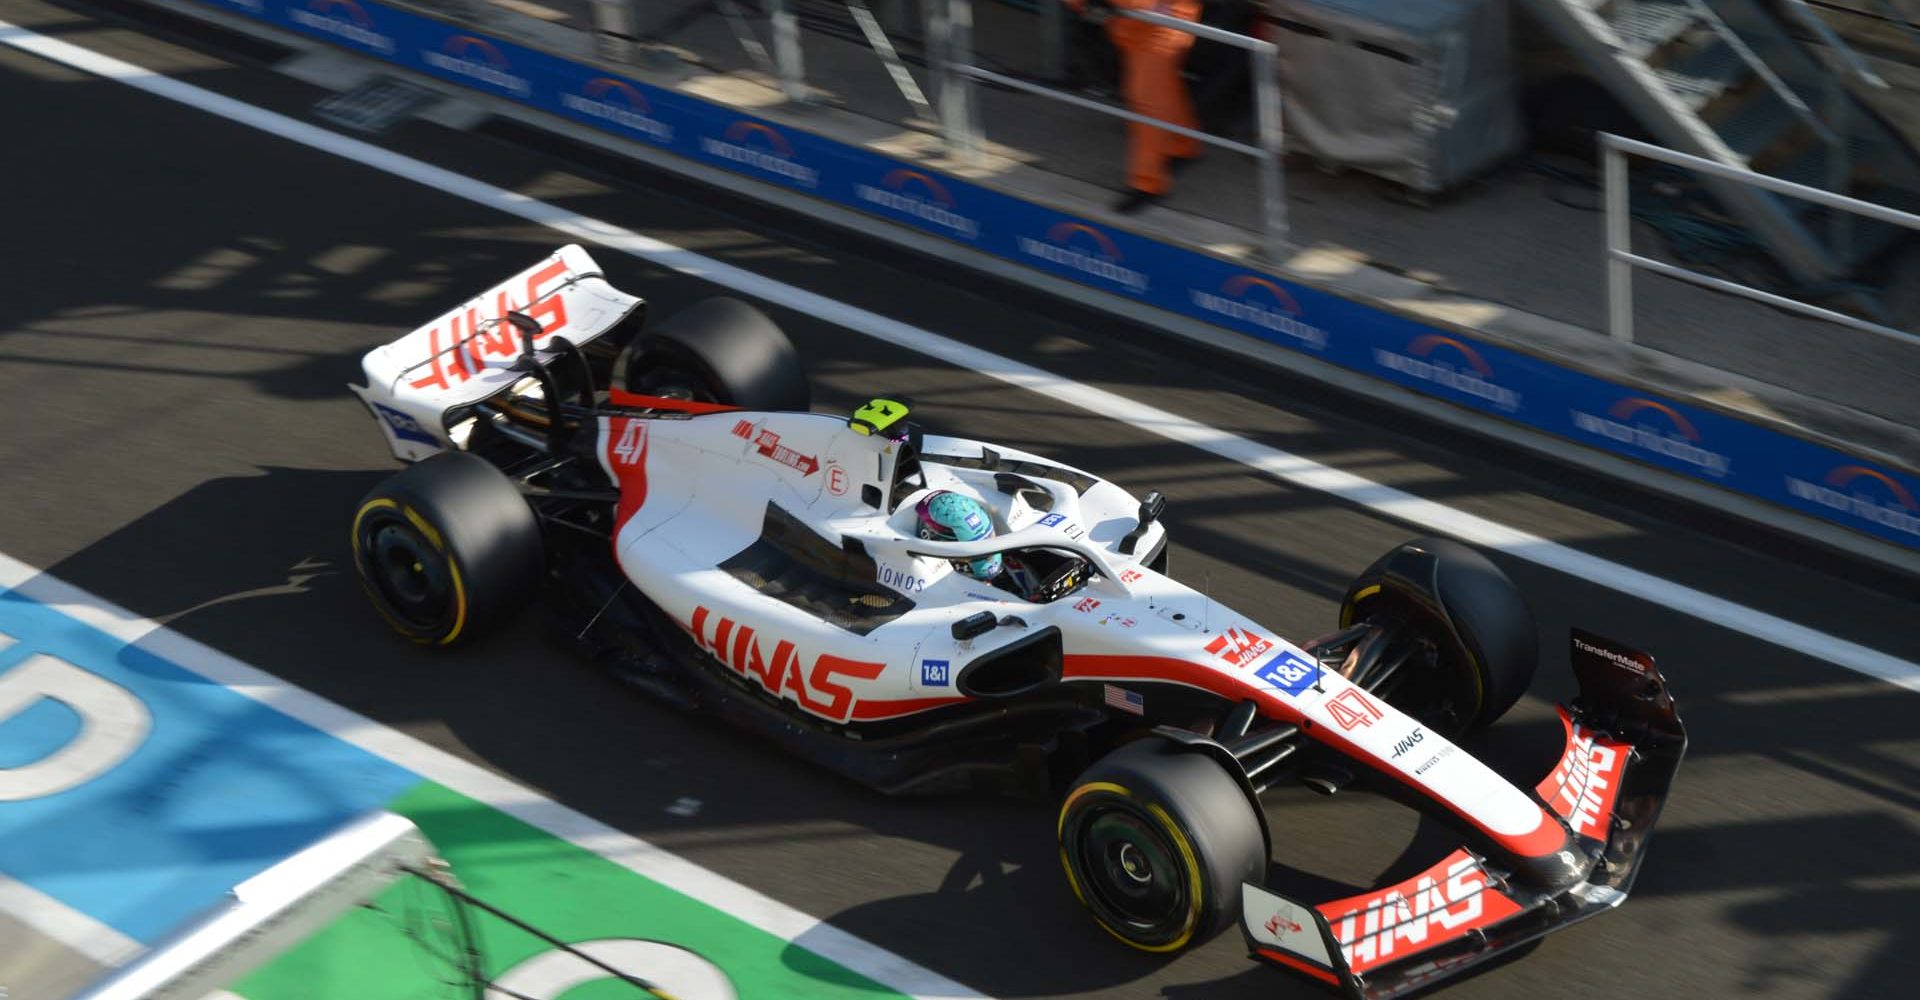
[1420,92]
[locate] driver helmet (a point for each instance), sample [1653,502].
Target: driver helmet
[946,516]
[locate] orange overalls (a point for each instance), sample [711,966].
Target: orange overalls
[1151,57]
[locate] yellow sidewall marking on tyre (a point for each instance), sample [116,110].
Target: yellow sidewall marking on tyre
[1346,610]
[432,536]
[1193,878]
[1179,842]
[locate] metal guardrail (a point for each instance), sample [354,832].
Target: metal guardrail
[1621,260]
[950,35]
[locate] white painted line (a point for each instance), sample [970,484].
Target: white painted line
[476,783]
[1287,467]
[99,943]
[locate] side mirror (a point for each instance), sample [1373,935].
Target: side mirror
[1150,510]
[973,625]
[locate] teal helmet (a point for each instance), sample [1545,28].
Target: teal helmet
[946,516]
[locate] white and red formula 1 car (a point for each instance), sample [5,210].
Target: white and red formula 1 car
[667,494]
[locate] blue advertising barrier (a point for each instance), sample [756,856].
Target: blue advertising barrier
[1690,440]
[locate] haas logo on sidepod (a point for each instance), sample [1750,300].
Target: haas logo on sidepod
[781,675]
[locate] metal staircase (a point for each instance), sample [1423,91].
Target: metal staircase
[1725,80]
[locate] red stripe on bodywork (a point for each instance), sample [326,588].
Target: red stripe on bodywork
[631,479]
[893,708]
[1544,839]
[1298,964]
[621,397]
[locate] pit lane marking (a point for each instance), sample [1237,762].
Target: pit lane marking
[1293,469]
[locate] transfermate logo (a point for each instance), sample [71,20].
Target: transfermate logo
[342,19]
[609,100]
[912,193]
[1865,493]
[479,60]
[762,148]
[1451,364]
[1077,246]
[1655,427]
[1262,303]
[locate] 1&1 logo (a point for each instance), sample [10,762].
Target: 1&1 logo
[1262,303]
[1846,489]
[343,19]
[1647,425]
[479,60]
[1469,375]
[776,158]
[1103,262]
[610,100]
[931,204]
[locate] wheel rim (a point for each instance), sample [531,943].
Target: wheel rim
[1429,686]
[410,575]
[1131,872]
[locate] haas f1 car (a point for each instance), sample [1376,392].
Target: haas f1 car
[666,492]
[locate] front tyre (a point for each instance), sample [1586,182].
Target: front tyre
[1156,841]
[445,547]
[1480,638]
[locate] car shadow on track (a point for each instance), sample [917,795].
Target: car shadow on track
[258,567]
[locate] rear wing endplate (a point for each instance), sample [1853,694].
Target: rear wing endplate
[474,350]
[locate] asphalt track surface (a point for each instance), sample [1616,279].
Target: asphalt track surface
[182,300]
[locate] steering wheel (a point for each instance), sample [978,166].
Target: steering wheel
[1065,580]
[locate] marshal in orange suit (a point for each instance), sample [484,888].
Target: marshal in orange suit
[1151,57]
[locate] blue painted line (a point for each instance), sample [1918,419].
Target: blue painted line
[221,788]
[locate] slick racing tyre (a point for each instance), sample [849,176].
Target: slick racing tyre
[718,351]
[446,547]
[1156,841]
[1481,641]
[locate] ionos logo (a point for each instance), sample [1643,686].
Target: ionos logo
[342,19]
[931,203]
[1642,423]
[610,100]
[776,158]
[1262,303]
[1470,376]
[1864,493]
[477,59]
[1103,261]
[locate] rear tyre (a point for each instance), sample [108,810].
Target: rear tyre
[1156,841]
[1482,637]
[446,547]
[718,351]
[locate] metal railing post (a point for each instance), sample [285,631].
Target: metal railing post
[1273,190]
[1053,40]
[1619,241]
[1839,174]
[1621,258]
[956,106]
[613,24]
[786,50]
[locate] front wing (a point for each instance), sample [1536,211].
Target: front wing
[1624,744]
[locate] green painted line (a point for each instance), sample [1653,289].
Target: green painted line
[401,946]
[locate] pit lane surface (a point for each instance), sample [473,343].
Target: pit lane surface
[184,299]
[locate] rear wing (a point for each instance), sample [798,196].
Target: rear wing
[472,351]
[1624,742]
